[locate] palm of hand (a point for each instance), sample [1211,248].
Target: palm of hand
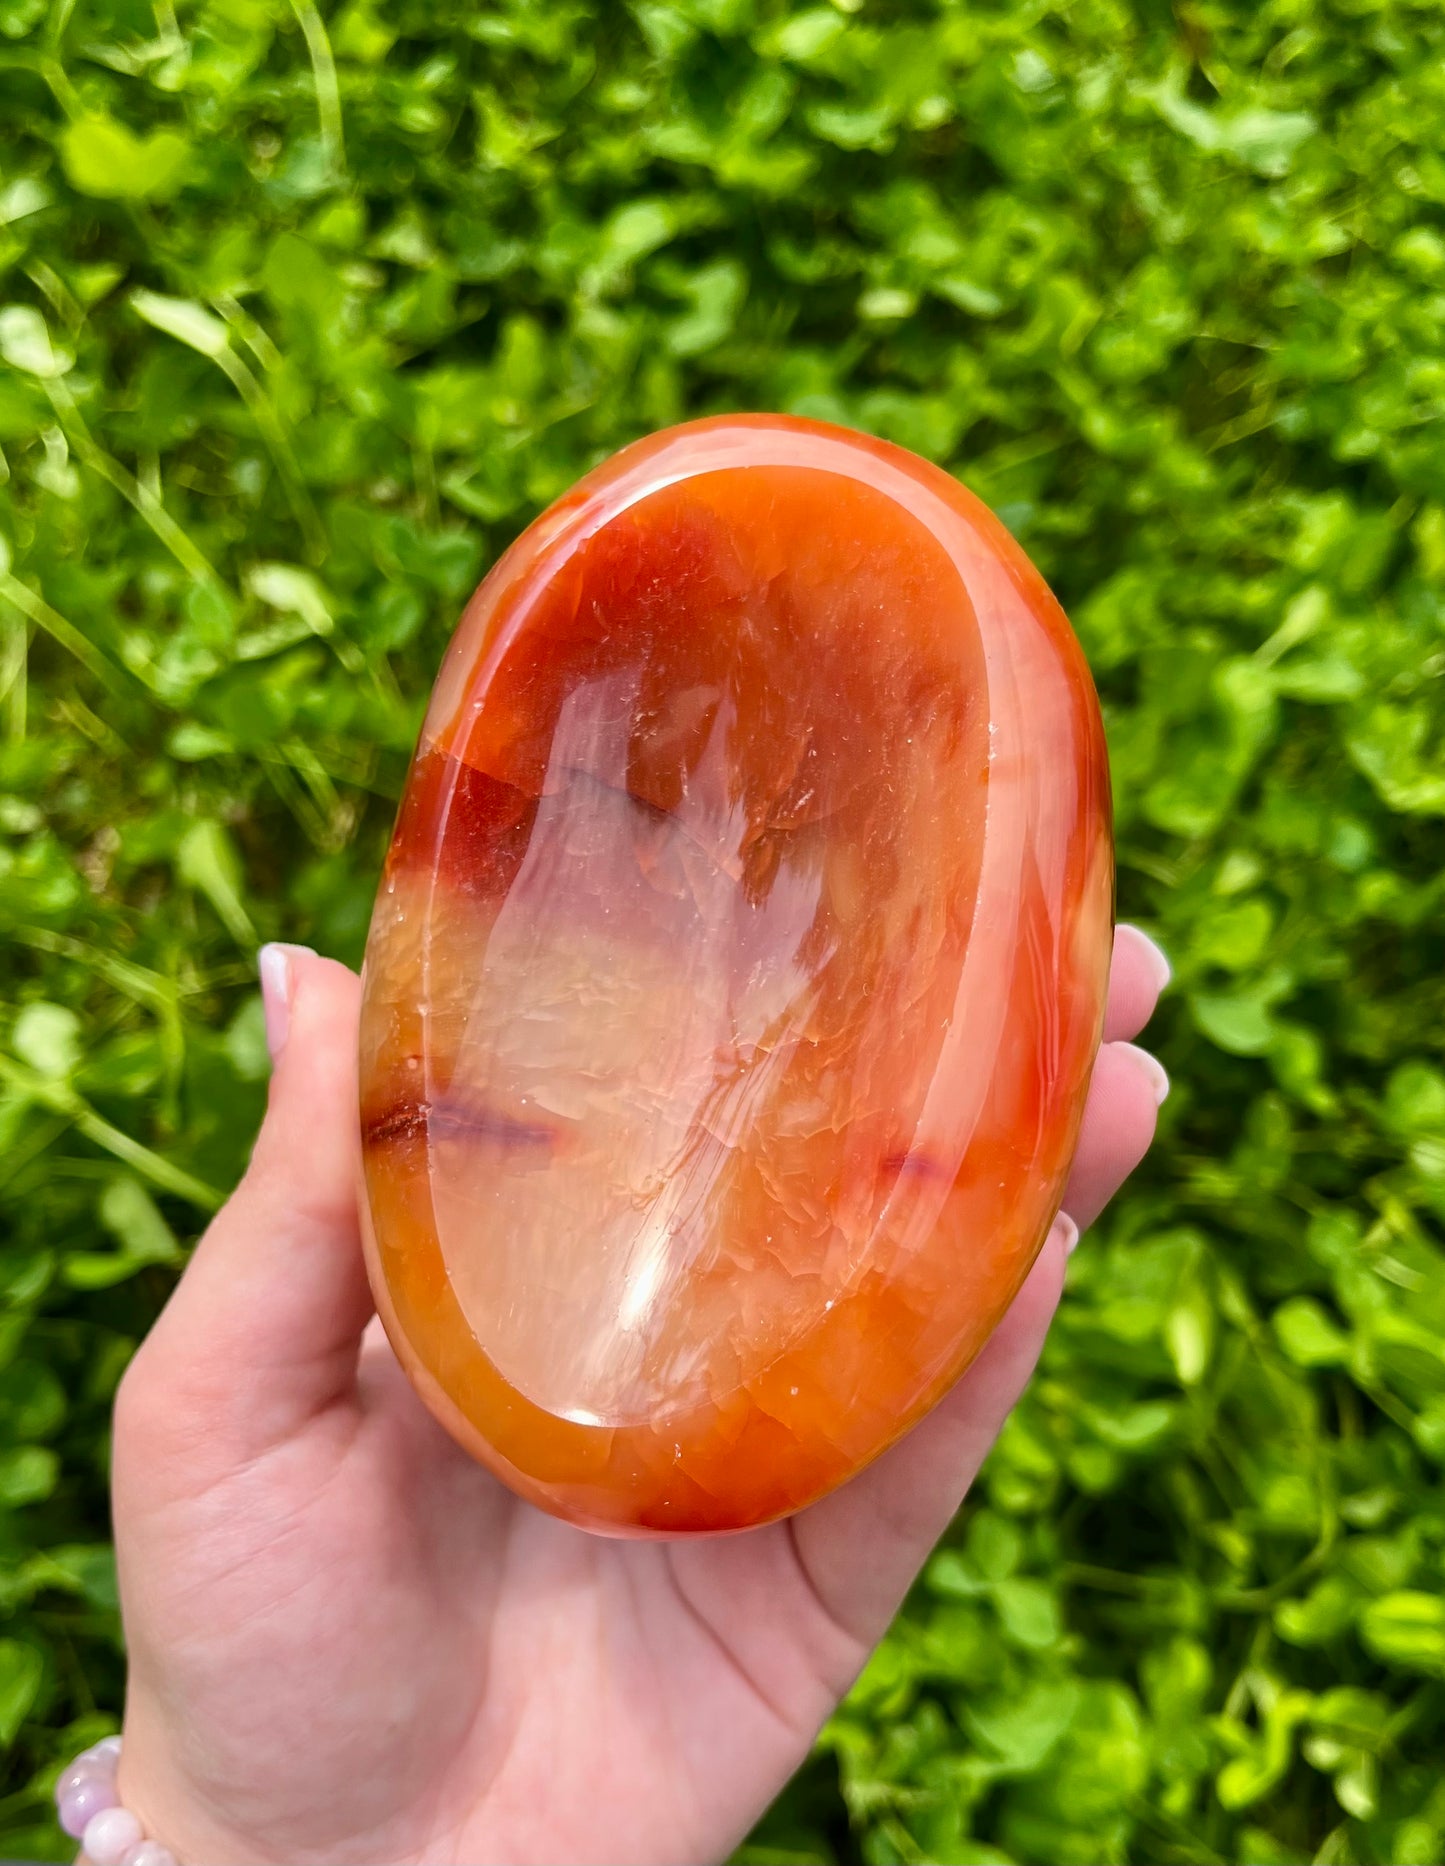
[366,1607]
[349,1642]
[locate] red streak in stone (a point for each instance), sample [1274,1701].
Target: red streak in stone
[446,1119]
[919,1167]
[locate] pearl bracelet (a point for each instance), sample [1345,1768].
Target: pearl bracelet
[88,1803]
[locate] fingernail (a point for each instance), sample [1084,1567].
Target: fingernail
[1152,1067]
[277,973]
[1068,1231]
[1154,952]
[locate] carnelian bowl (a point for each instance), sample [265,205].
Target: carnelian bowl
[735,978]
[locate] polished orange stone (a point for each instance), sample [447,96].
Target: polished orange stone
[736,975]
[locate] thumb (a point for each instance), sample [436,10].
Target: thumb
[263,1329]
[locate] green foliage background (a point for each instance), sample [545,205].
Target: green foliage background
[304,317]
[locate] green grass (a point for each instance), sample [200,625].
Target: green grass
[305,315]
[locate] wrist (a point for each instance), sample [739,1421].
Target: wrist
[125,1812]
[154,1785]
[92,1810]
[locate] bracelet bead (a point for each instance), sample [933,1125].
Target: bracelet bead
[110,1836]
[81,1794]
[88,1803]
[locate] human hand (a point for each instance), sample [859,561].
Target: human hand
[348,1642]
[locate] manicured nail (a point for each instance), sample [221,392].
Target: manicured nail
[1068,1231]
[1152,1067]
[277,974]
[1154,953]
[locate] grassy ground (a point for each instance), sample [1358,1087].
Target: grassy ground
[305,315]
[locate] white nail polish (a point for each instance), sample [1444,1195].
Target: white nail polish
[1153,1069]
[274,964]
